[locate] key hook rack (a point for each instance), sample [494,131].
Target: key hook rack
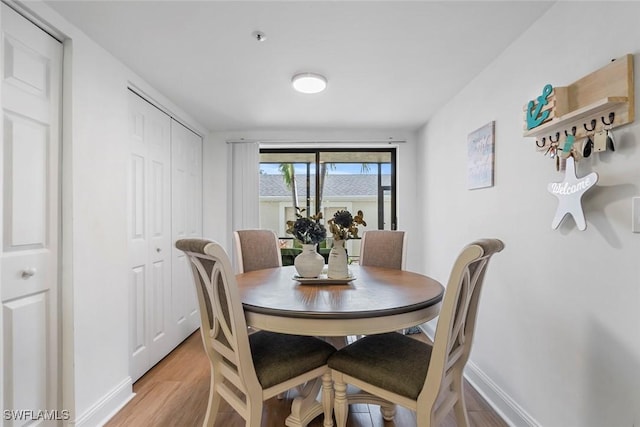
[595,104]
[592,127]
[612,116]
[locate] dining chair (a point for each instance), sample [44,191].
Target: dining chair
[388,249]
[384,248]
[393,369]
[248,369]
[256,249]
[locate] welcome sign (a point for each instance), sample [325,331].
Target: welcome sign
[569,193]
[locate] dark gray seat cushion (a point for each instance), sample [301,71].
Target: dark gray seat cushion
[391,361]
[279,357]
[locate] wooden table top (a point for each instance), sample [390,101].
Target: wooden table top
[375,292]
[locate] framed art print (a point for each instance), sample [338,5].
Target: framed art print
[480,146]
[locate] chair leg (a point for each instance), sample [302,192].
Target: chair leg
[425,419]
[388,412]
[460,408]
[327,399]
[254,413]
[212,405]
[340,407]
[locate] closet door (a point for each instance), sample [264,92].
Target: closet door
[29,259]
[186,183]
[149,234]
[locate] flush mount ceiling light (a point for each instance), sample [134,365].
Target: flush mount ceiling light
[309,82]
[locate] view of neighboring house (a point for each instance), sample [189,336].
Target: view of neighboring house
[352,192]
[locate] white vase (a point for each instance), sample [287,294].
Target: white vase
[338,261]
[309,263]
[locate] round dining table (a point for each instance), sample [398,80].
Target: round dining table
[371,300]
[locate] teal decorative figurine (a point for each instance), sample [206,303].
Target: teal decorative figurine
[535,115]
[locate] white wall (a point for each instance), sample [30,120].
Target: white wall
[95,272]
[217,224]
[558,332]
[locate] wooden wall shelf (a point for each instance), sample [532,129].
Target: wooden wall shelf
[579,117]
[591,101]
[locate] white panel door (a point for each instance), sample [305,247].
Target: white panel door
[186,182]
[149,234]
[29,266]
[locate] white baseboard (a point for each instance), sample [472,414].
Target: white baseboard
[508,409]
[103,410]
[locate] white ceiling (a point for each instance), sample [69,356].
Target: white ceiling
[390,64]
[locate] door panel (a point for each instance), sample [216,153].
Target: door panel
[25,68]
[186,182]
[28,376]
[31,83]
[149,234]
[137,313]
[25,182]
[165,203]
[158,298]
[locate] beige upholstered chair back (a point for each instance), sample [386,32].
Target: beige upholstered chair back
[456,322]
[256,249]
[223,326]
[384,248]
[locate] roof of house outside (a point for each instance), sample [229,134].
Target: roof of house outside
[335,185]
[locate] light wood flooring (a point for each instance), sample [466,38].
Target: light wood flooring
[175,392]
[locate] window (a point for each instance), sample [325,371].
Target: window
[326,181]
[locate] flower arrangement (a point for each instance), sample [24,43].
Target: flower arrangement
[344,226]
[308,231]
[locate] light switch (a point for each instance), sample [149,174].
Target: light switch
[635,214]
